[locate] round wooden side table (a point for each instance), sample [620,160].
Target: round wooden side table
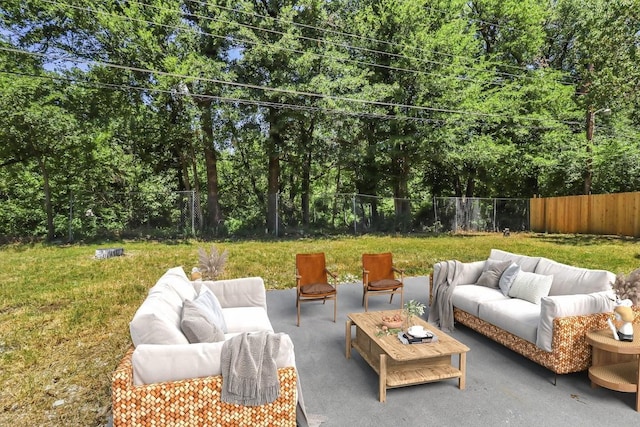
[615,364]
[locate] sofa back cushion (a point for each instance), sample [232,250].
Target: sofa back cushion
[174,286]
[569,280]
[156,322]
[242,292]
[526,263]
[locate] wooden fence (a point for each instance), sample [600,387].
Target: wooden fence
[617,214]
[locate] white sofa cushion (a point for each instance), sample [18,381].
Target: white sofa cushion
[156,322]
[246,319]
[530,286]
[526,263]
[160,363]
[251,294]
[569,280]
[174,286]
[569,305]
[469,297]
[514,315]
[468,274]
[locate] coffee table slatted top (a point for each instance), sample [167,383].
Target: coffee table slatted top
[369,322]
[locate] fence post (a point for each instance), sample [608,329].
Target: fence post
[193,213]
[277,213]
[355,215]
[495,207]
[70,216]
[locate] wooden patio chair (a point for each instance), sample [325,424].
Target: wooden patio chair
[379,277]
[312,282]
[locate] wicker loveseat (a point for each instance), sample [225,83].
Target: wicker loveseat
[165,380]
[550,332]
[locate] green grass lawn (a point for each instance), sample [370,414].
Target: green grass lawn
[64,315]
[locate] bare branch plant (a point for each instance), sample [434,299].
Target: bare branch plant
[211,264]
[628,287]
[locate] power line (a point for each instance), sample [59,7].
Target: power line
[252,42]
[371,39]
[260,103]
[289,91]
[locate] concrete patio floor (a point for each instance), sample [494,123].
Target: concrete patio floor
[502,387]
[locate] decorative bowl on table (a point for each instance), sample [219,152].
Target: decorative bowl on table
[393,322]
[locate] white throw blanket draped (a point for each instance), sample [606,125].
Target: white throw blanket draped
[249,372]
[444,282]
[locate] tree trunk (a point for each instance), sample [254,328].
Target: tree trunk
[214,215]
[401,186]
[471,182]
[588,173]
[306,175]
[196,187]
[273,177]
[47,197]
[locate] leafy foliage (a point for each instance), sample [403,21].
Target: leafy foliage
[262,106]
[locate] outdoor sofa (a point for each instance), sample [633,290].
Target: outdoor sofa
[544,318]
[165,380]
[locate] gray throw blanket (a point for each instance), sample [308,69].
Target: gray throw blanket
[249,372]
[441,310]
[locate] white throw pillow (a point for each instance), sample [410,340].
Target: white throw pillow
[209,303]
[530,286]
[507,278]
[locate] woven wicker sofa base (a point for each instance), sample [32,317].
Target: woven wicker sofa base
[571,352]
[195,402]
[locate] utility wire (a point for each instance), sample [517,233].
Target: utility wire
[119,86]
[256,43]
[260,103]
[309,94]
[388,43]
[323,41]
[287,91]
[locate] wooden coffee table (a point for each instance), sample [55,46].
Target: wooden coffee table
[400,365]
[615,364]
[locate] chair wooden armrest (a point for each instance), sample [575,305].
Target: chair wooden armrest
[334,276]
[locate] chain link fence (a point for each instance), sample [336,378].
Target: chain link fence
[481,214]
[181,214]
[134,215]
[361,214]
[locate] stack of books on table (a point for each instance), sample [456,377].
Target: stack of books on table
[407,338]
